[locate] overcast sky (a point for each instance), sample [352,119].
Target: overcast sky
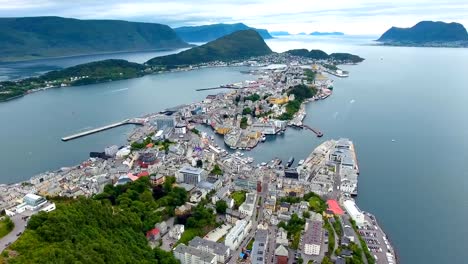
[349,16]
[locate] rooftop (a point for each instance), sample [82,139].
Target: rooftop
[204,256]
[334,207]
[218,248]
[313,234]
[191,170]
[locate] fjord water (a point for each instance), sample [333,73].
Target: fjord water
[414,96]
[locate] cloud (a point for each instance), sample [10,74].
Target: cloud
[354,17]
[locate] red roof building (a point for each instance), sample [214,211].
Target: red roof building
[153,234]
[334,207]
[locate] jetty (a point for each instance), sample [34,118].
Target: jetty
[317,132]
[220,87]
[133,121]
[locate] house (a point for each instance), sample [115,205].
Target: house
[237,234]
[162,227]
[281,254]
[247,208]
[153,235]
[284,207]
[176,231]
[282,237]
[233,216]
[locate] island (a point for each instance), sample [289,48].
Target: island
[321,55]
[317,33]
[427,34]
[30,38]
[207,33]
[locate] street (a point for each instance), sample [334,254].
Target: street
[20,226]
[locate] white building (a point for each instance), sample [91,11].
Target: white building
[111,150]
[354,212]
[221,251]
[237,234]
[190,255]
[176,232]
[247,208]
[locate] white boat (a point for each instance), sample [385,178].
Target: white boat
[301,162]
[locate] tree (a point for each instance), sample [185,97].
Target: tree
[221,207]
[216,170]
[247,111]
[243,123]
[306,214]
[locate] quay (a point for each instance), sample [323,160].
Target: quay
[220,87]
[317,132]
[134,121]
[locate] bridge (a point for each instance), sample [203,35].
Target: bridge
[133,121]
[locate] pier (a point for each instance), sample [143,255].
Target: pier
[220,87]
[134,121]
[317,132]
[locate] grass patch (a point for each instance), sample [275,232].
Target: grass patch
[331,237]
[250,245]
[6,225]
[238,197]
[189,234]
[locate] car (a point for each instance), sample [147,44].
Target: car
[19,234]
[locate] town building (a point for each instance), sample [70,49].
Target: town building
[354,212]
[190,255]
[237,234]
[260,245]
[164,121]
[312,238]
[221,251]
[247,208]
[281,254]
[176,231]
[191,175]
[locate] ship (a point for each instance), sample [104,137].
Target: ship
[263,138]
[300,162]
[290,162]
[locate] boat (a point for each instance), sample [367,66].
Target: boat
[290,162]
[300,162]
[280,161]
[263,138]
[263,163]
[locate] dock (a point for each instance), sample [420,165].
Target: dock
[317,132]
[99,129]
[220,87]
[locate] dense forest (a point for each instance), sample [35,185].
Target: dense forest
[109,228]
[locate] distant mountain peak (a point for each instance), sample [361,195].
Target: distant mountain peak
[426,32]
[211,32]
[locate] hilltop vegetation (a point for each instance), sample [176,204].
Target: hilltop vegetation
[107,229]
[211,32]
[426,33]
[321,55]
[93,72]
[39,37]
[236,46]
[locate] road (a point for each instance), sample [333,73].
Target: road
[20,225]
[255,220]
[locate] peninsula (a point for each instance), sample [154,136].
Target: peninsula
[427,34]
[28,38]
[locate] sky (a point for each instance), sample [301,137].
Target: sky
[355,17]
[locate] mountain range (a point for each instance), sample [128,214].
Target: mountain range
[426,33]
[40,37]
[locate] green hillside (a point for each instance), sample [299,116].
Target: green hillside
[39,37]
[321,55]
[238,45]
